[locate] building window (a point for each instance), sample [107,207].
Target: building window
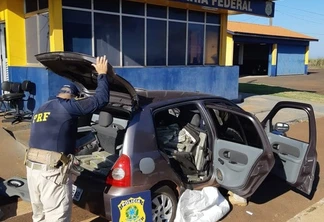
[107,37]
[177,43]
[178,14]
[102,5]
[156,11]
[77,33]
[196,16]
[213,18]
[195,44]
[37,36]
[35,5]
[140,34]
[156,42]
[78,4]
[134,8]
[133,41]
[212,45]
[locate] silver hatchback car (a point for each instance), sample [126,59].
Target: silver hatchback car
[169,141]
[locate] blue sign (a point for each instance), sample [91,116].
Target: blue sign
[254,7]
[135,207]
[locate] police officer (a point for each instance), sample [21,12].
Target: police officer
[52,141]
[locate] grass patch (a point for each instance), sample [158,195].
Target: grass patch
[260,89]
[316,63]
[304,96]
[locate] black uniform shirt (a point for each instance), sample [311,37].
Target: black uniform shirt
[54,125]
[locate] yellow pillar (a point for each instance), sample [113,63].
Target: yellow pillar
[15,33]
[55,25]
[226,44]
[307,55]
[274,54]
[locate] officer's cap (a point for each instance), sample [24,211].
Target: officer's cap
[70,88]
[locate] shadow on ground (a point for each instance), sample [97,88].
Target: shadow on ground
[260,89]
[8,205]
[273,187]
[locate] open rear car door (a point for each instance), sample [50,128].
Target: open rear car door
[242,155]
[295,160]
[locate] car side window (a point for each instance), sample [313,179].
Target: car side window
[235,128]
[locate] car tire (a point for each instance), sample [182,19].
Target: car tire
[164,204]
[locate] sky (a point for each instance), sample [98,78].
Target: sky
[303,16]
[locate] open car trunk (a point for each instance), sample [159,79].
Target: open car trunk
[100,142]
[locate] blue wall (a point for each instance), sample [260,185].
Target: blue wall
[217,80]
[291,59]
[47,83]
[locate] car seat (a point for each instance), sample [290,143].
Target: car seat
[192,161]
[5,87]
[109,135]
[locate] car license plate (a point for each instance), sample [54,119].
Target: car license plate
[76,192]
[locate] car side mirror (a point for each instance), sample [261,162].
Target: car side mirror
[281,127]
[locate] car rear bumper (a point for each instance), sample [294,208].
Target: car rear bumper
[113,192]
[96,196]
[91,198]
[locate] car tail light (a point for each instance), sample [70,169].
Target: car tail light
[120,173]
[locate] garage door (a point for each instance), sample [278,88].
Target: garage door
[290,60]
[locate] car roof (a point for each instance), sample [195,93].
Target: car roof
[147,97]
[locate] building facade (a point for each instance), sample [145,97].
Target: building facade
[269,50]
[154,44]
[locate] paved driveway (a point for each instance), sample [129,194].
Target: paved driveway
[311,83]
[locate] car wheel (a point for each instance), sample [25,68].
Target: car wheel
[164,204]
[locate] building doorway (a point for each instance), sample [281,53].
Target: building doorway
[253,59]
[3,54]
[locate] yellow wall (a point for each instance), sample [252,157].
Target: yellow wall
[55,25]
[307,55]
[229,50]
[274,54]
[226,44]
[15,31]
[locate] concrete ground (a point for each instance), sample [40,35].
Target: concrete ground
[273,201]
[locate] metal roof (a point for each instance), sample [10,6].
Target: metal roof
[241,28]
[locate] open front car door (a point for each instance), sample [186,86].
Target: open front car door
[295,154]
[242,155]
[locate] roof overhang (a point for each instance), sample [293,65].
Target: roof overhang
[271,36]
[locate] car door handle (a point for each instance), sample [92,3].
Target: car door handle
[275,146]
[227,154]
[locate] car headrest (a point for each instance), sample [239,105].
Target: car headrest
[195,120]
[191,117]
[6,86]
[105,119]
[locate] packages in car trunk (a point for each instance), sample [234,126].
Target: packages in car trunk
[92,157]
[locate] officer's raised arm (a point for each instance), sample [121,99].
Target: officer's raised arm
[100,99]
